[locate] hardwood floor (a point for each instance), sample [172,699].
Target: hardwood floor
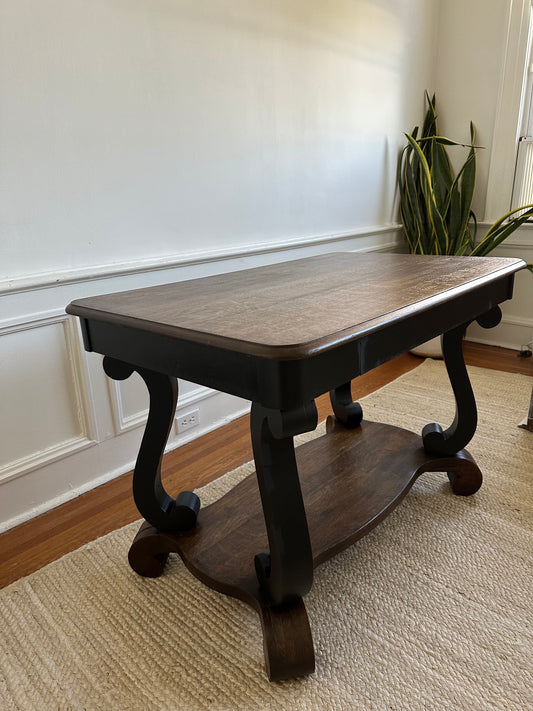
[31,545]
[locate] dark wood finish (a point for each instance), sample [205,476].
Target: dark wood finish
[150,497]
[282,357]
[285,572]
[463,427]
[283,335]
[347,412]
[286,352]
[31,545]
[287,639]
[338,474]
[296,309]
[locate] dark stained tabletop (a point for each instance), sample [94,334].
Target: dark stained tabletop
[300,307]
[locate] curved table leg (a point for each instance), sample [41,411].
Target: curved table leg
[347,412]
[447,442]
[458,435]
[285,573]
[153,502]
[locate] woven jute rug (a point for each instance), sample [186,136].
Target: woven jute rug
[432,610]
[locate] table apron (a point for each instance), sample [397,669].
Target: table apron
[284,384]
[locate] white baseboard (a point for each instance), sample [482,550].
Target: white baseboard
[72,492]
[509,333]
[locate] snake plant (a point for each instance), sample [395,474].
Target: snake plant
[436,203]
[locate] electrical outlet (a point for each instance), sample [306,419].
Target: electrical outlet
[188,420]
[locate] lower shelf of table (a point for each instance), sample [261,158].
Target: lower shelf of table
[350,479]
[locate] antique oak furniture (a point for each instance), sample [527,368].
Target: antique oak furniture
[280,336]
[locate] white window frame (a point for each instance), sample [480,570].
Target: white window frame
[509,112]
[523,178]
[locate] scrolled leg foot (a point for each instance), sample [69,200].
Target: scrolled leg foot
[149,551]
[287,641]
[464,474]
[466,477]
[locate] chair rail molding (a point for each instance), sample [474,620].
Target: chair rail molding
[376,238]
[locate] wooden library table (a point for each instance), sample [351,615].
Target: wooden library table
[280,336]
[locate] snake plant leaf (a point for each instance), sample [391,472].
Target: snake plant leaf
[507,217]
[410,203]
[411,200]
[500,230]
[435,204]
[432,211]
[445,141]
[472,232]
[453,213]
[468,183]
[438,188]
[446,166]
[429,126]
[496,238]
[442,175]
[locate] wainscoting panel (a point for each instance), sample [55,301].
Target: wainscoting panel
[129,402]
[45,412]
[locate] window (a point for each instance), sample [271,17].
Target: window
[523,178]
[510,113]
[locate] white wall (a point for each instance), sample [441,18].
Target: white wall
[143,141]
[154,127]
[471,39]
